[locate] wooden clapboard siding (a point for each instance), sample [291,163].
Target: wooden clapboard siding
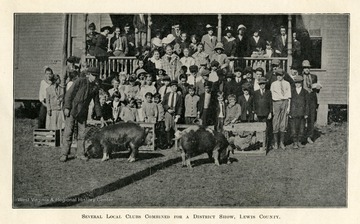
[39,43]
[334,75]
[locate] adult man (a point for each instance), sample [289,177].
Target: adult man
[271,74]
[130,40]
[209,40]
[281,96]
[280,43]
[173,106]
[140,30]
[76,104]
[118,44]
[313,87]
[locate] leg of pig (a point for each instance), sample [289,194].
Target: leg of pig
[133,152]
[188,162]
[105,152]
[183,163]
[216,155]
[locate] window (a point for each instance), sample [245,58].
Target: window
[315,52]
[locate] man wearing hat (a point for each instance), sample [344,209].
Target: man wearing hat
[299,111]
[271,75]
[246,102]
[173,107]
[281,96]
[209,40]
[76,104]
[220,57]
[229,42]
[312,86]
[139,23]
[91,39]
[263,108]
[241,42]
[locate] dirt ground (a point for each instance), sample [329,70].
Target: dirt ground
[315,176]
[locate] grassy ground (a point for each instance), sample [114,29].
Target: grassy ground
[315,176]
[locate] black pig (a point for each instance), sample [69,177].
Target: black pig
[197,140]
[120,135]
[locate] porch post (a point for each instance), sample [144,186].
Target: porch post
[289,44]
[149,31]
[219,28]
[64,48]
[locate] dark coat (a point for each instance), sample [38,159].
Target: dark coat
[278,45]
[313,101]
[211,104]
[141,26]
[252,45]
[78,97]
[178,104]
[101,46]
[247,108]
[262,103]
[234,88]
[241,46]
[229,46]
[299,105]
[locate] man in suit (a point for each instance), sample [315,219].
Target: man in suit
[263,109]
[76,104]
[118,44]
[173,107]
[209,40]
[313,87]
[299,111]
[280,43]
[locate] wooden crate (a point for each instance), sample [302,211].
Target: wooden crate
[258,127]
[151,131]
[44,137]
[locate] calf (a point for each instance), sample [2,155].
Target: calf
[120,136]
[197,140]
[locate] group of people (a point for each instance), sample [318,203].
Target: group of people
[190,48]
[191,84]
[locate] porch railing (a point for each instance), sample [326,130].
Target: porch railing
[129,64]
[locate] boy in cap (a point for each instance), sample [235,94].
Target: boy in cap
[200,86]
[76,104]
[247,103]
[173,107]
[209,40]
[281,96]
[263,108]
[313,87]
[299,110]
[206,104]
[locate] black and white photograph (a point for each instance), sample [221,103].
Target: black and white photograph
[158,110]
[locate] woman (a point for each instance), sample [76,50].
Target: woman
[44,84]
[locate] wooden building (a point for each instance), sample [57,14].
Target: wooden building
[48,39]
